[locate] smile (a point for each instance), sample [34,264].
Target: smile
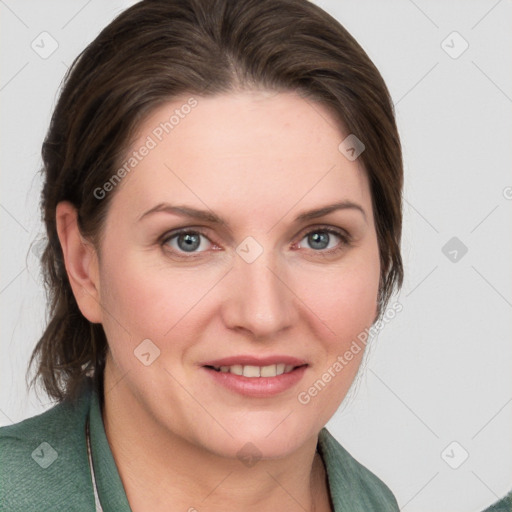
[272,370]
[256,376]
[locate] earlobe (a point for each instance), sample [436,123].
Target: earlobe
[81,262]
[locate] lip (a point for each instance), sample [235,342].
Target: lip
[256,387]
[255,361]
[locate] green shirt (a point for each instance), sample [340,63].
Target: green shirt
[44,465]
[504,505]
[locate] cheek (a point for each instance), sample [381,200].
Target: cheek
[353,302]
[143,299]
[344,298]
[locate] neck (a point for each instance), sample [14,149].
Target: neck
[162,471]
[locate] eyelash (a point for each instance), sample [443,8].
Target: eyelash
[346,241]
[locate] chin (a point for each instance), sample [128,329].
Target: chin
[252,439]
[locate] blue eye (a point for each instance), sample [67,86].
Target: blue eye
[322,239]
[187,241]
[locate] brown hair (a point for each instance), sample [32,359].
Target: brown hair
[157,50]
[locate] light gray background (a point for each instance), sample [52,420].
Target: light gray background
[441,370]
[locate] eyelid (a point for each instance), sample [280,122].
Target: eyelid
[178,231]
[342,233]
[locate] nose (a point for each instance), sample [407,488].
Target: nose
[259,300]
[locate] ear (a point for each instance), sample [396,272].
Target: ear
[81,262]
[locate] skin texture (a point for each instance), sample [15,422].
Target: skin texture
[258,160]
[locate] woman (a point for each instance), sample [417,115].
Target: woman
[222,199]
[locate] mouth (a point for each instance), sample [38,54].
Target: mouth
[252,371]
[256,376]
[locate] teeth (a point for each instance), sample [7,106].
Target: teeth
[272,370]
[237,369]
[251,371]
[268,371]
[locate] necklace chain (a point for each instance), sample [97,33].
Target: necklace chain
[93,477]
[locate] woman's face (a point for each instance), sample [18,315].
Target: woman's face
[216,253]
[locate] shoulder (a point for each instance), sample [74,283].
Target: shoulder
[352,485]
[43,460]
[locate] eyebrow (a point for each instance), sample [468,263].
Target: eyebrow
[209,216]
[325,210]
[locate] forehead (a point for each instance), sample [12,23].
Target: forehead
[252,150]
